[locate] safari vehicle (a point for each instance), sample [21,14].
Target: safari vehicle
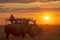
[22,27]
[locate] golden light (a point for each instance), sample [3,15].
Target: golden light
[47,18]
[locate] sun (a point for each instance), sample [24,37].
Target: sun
[47,18]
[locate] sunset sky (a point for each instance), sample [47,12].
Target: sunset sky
[37,9]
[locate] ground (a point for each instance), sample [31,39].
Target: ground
[50,32]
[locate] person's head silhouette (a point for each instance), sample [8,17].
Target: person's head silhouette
[12,15]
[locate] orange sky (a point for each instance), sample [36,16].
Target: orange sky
[31,9]
[54,16]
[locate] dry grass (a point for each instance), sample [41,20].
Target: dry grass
[49,33]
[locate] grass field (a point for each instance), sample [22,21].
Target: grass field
[50,32]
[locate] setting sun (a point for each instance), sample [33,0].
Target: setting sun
[46,18]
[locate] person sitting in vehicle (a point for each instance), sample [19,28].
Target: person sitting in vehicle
[12,19]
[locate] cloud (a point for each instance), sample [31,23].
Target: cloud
[55,4]
[20,7]
[18,1]
[24,1]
